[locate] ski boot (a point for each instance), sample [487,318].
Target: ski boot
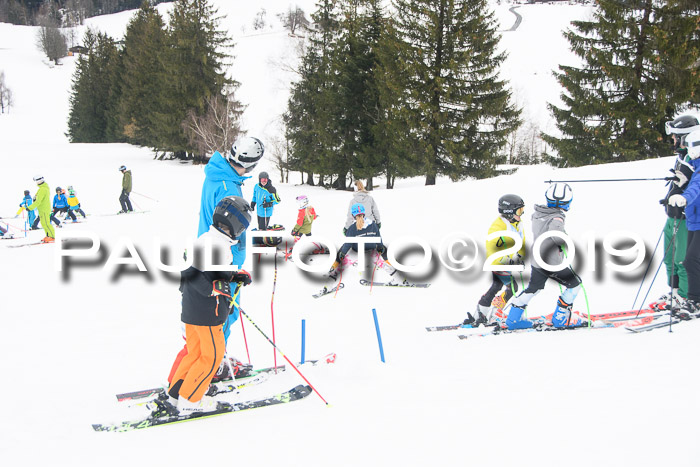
[564,317]
[664,301]
[333,271]
[479,317]
[240,370]
[516,320]
[690,310]
[163,406]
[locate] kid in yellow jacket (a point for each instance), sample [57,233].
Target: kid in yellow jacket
[510,208]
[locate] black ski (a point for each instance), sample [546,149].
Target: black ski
[405,283]
[29,244]
[214,388]
[450,327]
[654,325]
[238,382]
[326,290]
[293,394]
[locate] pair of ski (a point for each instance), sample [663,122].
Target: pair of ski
[163,413]
[614,319]
[169,416]
[663,319]
[328,290]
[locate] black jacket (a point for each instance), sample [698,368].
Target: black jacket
[198,306]
[681,163]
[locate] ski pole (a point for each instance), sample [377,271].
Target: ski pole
[282,353]
[647,270]
[610,180]
[147,197]
[272,311]
[245,340]
[673,263]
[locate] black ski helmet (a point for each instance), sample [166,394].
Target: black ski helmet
[509,204]
[263,175]
[26,192]
[683,125]
[232,212]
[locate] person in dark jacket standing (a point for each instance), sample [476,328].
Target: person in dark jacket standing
[675,230]
[206,303]
[265,197]
[126,190]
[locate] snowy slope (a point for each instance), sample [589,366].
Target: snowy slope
[72,341]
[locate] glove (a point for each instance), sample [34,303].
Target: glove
[252,205]
[511,259]
[295,232]
[379,225]
[681,179]
[677,200]
[345,230]
[242,277]
[220,288]
[267,205]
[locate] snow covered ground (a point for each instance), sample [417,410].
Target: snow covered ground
[72,340]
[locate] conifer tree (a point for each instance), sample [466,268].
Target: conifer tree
[196,58]
[94,95]
[355,91]
[313,144]
[143,78]
[458,110]
[637,72]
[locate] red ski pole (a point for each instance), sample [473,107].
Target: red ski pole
[272,310]
[283,355]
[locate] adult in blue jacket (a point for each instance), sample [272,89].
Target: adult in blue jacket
[265,197]
[691,200]
[224,176]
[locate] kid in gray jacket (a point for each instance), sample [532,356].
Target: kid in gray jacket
[546,219]
[362,197]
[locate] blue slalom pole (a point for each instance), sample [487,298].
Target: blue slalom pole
[303,340]
[379,335]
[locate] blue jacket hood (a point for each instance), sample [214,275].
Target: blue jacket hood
[218,169]
[221,181]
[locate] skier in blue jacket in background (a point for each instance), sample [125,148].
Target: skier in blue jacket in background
[691,200]
[60,204]
[26,201]
[265,197]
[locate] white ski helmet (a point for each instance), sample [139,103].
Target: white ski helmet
[39,179]
[559,195]
[246,152]
[692,141]
[302,201]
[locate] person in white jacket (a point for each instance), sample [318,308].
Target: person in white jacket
[363,197]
